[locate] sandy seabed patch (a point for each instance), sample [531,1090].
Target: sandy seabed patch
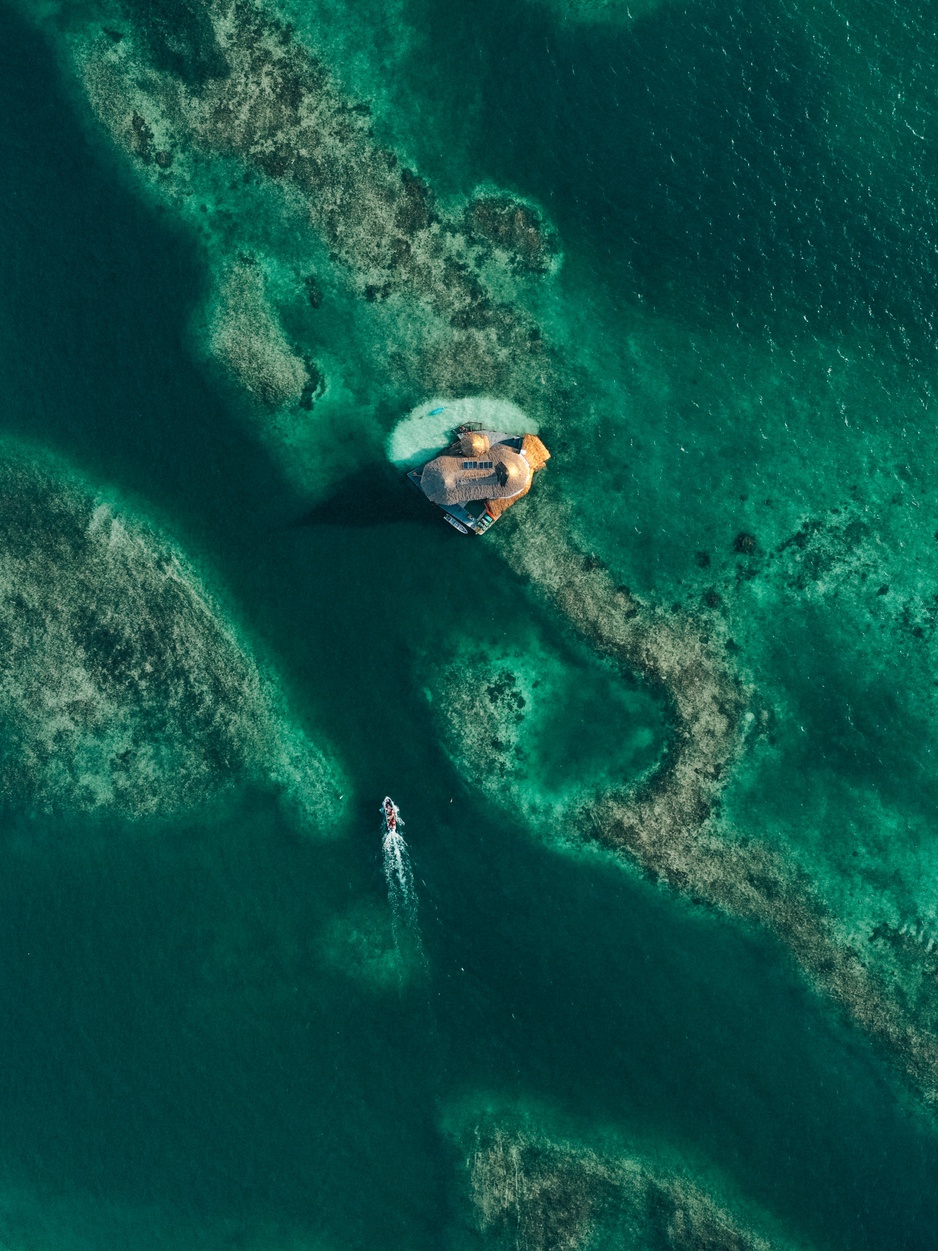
[428,428]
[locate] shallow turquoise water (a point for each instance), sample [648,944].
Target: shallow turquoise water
[174,1039]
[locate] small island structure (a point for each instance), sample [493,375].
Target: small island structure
[480,475]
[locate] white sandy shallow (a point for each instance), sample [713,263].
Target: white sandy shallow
[427,429]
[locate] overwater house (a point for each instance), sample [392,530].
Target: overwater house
[480,475]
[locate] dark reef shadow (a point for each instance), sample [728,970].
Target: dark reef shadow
[376,495]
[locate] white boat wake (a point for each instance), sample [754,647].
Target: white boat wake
[399,875]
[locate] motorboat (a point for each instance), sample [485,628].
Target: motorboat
[391,816]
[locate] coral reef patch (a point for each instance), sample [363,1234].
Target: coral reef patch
[673,653]
[123,689]
[249,342]
[514,227]
[524,718]
[442,278]
[539,1190]
[671,822]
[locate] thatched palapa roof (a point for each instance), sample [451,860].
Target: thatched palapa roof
[499,473]
[534,452]
[537,456]
[485,469]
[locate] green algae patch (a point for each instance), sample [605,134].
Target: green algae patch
[538,1184]
[123,689]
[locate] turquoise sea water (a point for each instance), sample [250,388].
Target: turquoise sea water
[188,1058]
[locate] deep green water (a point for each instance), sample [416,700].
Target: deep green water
[180,1065]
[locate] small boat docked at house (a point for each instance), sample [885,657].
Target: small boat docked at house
[480,475]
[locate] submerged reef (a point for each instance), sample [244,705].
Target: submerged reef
[524,713]
[670,822]
[236,86]
[540,1190]
[514,227]
[249,342]
[363,945]
[123,689]
[656,822]
[852,746]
